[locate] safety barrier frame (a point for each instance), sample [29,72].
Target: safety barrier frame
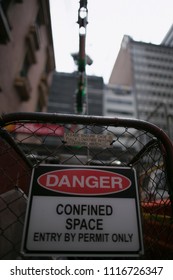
[158,138]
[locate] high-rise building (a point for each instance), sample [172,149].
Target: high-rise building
[64,87]
[119,101]
[63,97]
[168,39]
[148,70]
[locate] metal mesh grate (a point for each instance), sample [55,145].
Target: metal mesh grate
[29,140]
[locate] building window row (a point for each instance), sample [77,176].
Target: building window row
[119,101]
[144,64]
[153,74]
[120,91]
[153,60]
[141,88]
[159,58]
[114,112]
[166,83]
[155,94]
[153,49]
[153,84]
[154,56]
[164,51]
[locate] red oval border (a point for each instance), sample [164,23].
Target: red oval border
[81,193]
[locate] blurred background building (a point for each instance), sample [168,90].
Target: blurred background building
[26,65]
[119,101]
[63,94]
[168,39]
[140,85]
[26,55]
[148,70]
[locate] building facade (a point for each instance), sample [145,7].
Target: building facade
[118,101]
[26,55]
[168,39]
[148,70]
[26,65]
[62,98]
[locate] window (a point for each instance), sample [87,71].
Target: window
[25,67]
[22,83]
[50,63]
[35,36]
[41,102]
[43,93]
[33,42]
[23,88]
[42,17]
[5,32]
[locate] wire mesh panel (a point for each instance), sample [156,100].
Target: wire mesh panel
[28,140]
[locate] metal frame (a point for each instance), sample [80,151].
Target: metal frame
[7,119]
[157,139]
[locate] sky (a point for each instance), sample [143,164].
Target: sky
[108,21]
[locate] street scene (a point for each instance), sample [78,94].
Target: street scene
[86,155]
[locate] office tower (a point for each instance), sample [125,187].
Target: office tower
[148,70]
[64,87]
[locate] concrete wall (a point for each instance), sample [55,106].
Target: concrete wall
[121,73]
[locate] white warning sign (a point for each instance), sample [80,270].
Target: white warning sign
[75,210]
[89,140]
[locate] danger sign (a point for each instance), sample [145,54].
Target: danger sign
[83,210]
[84,181]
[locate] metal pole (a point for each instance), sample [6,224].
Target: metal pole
[81,91]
